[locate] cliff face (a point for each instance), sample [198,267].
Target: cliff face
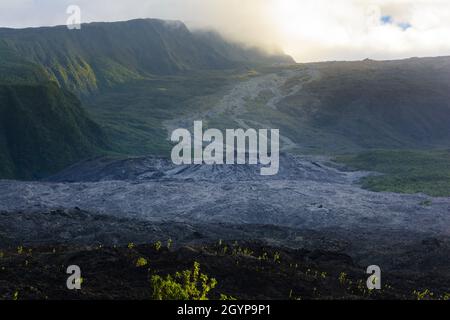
[43,129]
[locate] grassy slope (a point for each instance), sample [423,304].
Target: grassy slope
[371,105]
[351,107]
[404,171]
[133,114]
[14,69]
[43,129]
[356,106]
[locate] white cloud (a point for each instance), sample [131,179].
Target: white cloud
[310,30]
[334,30]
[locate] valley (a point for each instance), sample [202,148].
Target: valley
[86,174]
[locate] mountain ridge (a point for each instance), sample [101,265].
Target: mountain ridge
[102,54]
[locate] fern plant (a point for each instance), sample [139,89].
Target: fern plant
[185,285]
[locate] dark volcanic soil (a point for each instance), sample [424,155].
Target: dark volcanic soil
[97,243]
[243,270]
[314,215]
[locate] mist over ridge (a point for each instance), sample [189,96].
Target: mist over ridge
[321,30]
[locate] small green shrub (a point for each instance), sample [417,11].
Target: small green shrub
[423,295]
[157,245]
[342,278]
[224,297]
[185,285]
[141,262]
[276,257]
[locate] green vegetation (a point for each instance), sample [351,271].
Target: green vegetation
[141,262]
[185,285]
[424,295]
[342,278]
[133,85]
[15,70]
[169,244]
[43,129]
[404,171]
[298,276]
[105,54]
[133,114]
[157,245]
[354,106]
[347,107]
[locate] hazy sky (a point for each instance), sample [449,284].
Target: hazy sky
[309,30]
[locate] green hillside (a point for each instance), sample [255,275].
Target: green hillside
[138,72]
[136,76]
[133,114]
[404,171]
[370,104]
[14,69]
[103,54]
[42,130]
[344,107]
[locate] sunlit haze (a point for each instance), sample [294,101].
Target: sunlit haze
[308,30]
